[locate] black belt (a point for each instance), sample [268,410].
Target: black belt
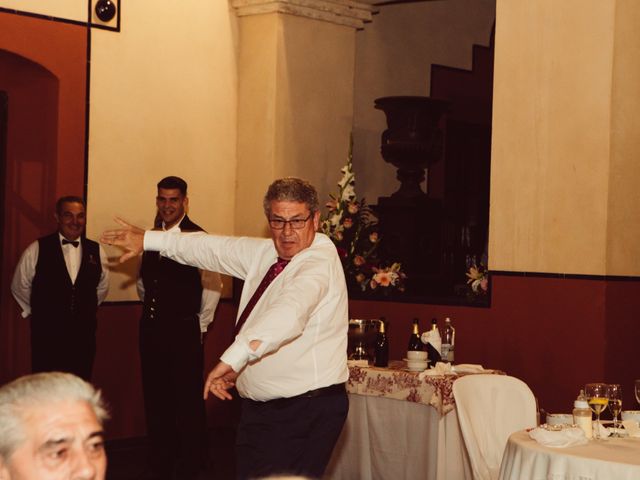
[324,391]
[335,389]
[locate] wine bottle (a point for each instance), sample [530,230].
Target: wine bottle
[434,344]
[381,351]
[415,343]
[448,341]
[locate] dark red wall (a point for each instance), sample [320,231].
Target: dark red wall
[556,334]
[43,67]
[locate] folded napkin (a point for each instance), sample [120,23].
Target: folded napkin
[441,368]
[468,368]
[566,437]
[604,431]
[631,427]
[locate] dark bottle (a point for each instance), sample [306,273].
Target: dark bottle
[415,343]
[434,344]
[381,352]
[448,341]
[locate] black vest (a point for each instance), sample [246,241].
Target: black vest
[54,299]
[171,290]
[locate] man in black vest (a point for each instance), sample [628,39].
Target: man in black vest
[179,303]
[60,280]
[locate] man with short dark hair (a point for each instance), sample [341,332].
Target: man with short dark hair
[179,304]
[59,282]
[288,360]
[51,427]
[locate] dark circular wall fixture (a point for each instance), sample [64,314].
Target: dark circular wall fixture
[105,10]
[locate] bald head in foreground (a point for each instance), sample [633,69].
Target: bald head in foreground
[51,429]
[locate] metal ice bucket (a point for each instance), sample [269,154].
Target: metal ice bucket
[362,335]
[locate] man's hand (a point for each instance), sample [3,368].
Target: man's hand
[130,237]
[220,379]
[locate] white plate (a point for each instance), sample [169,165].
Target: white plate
[415,361]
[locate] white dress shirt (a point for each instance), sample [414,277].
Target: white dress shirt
[211,289]
[301,319]
[26,270]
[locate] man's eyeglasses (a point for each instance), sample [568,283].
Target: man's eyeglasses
[296,223]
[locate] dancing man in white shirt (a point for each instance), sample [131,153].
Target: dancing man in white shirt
[59,282]
[288,361]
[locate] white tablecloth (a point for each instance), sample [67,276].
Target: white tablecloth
[611,459]
[389,439]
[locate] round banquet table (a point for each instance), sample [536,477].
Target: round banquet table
[613,458]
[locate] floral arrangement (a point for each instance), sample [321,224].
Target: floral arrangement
[352,227]
[478,279]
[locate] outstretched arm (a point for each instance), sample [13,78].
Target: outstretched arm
[129,237]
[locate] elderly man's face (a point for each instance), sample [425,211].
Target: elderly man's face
[71,220]
[64,441]
[288,240]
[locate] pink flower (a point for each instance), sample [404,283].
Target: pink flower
[360,278]
[373,284]
[332,205]
[358,260]
[353,208]
[338,236]
[348,223]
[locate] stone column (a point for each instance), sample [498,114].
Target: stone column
[566,138]
[295,95]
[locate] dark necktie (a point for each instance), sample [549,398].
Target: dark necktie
[273,272]
[75,243]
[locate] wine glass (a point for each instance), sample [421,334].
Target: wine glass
[614,392]
[597,397]
[638,390]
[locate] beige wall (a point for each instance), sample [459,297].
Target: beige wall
[66,9]
[295,107]
[394,57]
[163,102]
[623,227]
[563,147]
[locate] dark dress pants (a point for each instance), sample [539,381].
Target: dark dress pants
[171,356]
[289,436]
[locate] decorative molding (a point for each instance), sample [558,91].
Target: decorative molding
[342,12]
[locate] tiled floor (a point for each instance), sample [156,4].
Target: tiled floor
[127,458]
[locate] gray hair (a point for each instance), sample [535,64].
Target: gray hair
[38,389]
[291,189]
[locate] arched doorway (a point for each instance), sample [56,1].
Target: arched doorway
[43,74]
[30,123]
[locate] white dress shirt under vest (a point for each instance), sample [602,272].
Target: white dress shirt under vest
[26,270]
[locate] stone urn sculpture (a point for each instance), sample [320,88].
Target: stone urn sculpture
[412,139]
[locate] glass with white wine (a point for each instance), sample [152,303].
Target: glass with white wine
[597,396]
[614,392]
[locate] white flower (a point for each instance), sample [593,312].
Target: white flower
[334,220]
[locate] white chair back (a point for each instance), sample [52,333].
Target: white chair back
[490,408]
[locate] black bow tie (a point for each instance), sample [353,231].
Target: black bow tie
[75,243]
